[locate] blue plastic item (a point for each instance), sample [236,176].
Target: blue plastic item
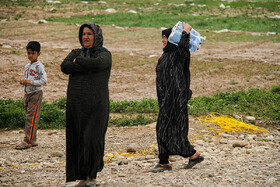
[195,37]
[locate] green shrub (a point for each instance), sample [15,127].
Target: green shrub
[146,105]
[11,113]
[255,102]
[129,121]
[51,116]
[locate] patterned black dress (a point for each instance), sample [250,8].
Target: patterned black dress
[87,110]
[173,91]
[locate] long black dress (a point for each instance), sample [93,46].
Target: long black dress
[173,91]
[87,110]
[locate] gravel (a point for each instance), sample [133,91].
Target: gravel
[231,159]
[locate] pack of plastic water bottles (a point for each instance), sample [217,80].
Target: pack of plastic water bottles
[195,37]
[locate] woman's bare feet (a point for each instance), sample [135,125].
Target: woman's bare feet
[195,155]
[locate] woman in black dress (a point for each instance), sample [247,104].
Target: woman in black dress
[87,110]
[173,91]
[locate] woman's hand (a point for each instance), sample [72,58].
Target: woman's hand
[187,27]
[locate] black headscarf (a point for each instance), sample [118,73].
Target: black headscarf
[169,46]
[167,32]
[98,39]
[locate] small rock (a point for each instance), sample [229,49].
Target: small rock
[199,142]
[223,141]
[53,9]
[222,6]
[102,2]
[131,150]
[57,154]
[51,133]
[271,181]
[211,175]
[152,125]
[119,157]
[110,10]
[271,138]
[250,118]
[109,154]
[239,144]
[6,46]
[132,11]
[123,162]
[227,136]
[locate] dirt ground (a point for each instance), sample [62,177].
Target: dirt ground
[216,67]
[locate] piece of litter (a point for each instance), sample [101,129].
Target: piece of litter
[54,2]
[102,2]
[201,5]
[223,30]
[6,46]
[151,56]
[256,34]
[222,6]
[271,33]
[132,11]
[275,17]
[42,21]
[110,10]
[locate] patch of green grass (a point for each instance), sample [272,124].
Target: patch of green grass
[11,113]
[146,105]
[17,17]
[160,19]
[15,52]
[239,37]
[269,4]
[232,82]
[253,102]
[132,121]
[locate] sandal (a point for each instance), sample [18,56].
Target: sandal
[160,168]
[193,162]
[23,145]
[91,183]
[34,143]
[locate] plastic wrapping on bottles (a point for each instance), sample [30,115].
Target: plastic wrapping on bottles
[195,37]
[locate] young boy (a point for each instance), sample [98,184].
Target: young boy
[34,77]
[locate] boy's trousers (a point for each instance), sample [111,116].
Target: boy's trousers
[32,106]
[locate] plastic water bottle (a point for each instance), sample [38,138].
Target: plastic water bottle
[195,37]
[195,40]
[176,33]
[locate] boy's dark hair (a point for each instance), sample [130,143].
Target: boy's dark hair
[34,46]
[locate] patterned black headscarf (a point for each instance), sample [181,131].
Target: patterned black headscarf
[98,39]
[169,46]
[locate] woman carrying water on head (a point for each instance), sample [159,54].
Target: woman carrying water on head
[173,91]
[87,110]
